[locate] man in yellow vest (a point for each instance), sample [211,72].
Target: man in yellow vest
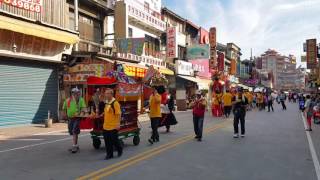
[227,103]
[111,125]
[155,115]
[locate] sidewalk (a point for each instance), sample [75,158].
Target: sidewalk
[30,130]
[37,129]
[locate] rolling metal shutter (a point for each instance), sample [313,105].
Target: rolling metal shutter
[28,89]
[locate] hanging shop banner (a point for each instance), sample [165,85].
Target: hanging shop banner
[133,71]
[204,36]
[29,5]
[220,61]
[199,51]
[130,45]
[98,69]
[171,42]
[303,58]
[77,78]
[311,53]
[184,68]
[126,90]
[202,67]
[251,82]
[233,69]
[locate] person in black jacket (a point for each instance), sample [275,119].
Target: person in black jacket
[171,120]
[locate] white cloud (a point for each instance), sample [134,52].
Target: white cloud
[279,24]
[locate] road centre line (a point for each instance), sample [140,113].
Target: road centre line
[145,155]
[312,149]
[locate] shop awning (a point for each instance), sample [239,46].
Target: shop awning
[202,83]
[31,29]
[243,86]
[138,70]
[165,70]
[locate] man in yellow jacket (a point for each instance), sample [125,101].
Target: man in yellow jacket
[155,115]
[227,103]
[111,125]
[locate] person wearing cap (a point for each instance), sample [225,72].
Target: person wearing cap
[73,106]
[239,110]
[199,108]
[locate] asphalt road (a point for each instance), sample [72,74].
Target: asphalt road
[275,147]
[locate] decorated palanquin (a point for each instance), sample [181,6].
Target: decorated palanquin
[217,92]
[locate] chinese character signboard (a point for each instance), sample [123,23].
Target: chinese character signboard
[233,68]
[130,45]
[29,5]
[198,52]
[213,47]
[184,68]
[311,53]
[202,67]
[171,42]
[220,61]
[204,36]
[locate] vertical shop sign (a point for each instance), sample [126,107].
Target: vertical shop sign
[220,61]
[311,53]
[171,42]
[213,47]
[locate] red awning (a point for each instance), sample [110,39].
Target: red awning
[101,81]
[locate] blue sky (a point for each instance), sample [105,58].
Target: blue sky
[282,25]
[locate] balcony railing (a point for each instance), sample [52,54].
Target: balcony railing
[142,59]
[88,46]
[146,18]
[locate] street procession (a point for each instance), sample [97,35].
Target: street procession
[159,89]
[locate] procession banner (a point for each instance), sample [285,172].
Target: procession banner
[126,90]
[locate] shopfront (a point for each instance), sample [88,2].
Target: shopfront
[30,57]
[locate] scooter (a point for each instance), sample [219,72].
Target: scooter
[316,115]
[301,105]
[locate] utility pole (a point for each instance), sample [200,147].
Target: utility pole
[76,20]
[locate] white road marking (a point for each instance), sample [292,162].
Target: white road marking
[24,139]
[312,149]
[39,144]
[51,132]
